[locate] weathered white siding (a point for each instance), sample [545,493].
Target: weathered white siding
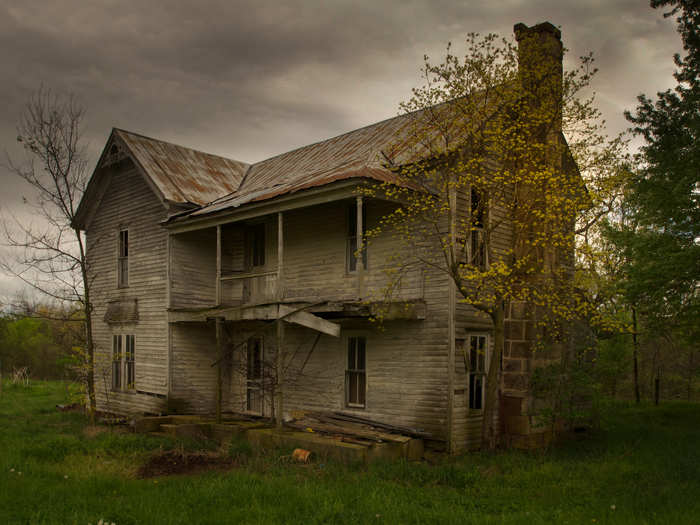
[194,379]
[193,269]
[130,203]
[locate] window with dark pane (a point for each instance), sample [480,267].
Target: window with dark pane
[255,245]
[477,244]
[254,375]
[123,362]
[129,361]
[355,374]
[477,370]
[123,259]
[116,362]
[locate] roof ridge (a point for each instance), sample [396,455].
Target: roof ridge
[181,146]
[335,137]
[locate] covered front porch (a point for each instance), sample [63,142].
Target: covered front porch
[249,359]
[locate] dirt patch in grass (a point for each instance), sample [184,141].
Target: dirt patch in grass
[94,431]
[172,462]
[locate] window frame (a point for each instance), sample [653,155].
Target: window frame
[123,363]
[477,221]
[255,383]
[255,245]
[123,258]
[360,401]
[476,378]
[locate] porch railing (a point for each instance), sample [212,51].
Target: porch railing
[249,288]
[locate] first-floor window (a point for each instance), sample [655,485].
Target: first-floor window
[254,375]
[123,362]
[478,366]
[355,374]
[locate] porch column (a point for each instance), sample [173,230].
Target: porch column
[280,256]
[359,259]
[279,365]
[220,364]
[218,265]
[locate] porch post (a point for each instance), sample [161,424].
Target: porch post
[220,357]
[218,265]
[359,254]
[280,256]
[279,365]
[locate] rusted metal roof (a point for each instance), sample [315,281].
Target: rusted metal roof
[184,175]
[359,154]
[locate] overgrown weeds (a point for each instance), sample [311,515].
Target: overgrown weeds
[642,466]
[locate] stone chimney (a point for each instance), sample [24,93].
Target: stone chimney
[540,53]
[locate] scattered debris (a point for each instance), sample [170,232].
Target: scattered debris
[20,376]
[68,408]
[301,455]
[353,429]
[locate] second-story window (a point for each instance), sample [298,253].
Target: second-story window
[255,245]
[123,259]
[351,249]
[477,248]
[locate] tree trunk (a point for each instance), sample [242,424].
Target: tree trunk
[635,353]
[657,382]
[89,341]
[488,425]
[690,375]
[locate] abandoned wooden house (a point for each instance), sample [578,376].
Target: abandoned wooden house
[203,267]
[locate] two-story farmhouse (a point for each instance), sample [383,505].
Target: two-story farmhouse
[221,285]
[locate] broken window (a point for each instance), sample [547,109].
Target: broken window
[123,259]
[351,249]
[355,374]
[116,362]
[477,247]
[123,362]
[255,245]
[254,375]
[478,366]
[129,362]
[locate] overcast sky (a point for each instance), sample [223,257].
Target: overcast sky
[250,79]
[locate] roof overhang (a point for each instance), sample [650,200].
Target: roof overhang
[310,197]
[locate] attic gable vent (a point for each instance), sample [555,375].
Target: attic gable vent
[113,156]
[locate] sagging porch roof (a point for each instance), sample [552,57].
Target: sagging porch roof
[407,310]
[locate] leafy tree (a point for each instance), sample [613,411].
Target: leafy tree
[663,198]
[51,257]
[489,188]
[659,225]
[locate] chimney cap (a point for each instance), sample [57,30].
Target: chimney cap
[521,30]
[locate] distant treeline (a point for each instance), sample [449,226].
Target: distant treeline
[40,338]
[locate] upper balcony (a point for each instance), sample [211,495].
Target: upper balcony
[301,255]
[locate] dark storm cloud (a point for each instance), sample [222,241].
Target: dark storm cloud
[250,79]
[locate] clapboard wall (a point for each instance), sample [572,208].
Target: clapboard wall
[129,203]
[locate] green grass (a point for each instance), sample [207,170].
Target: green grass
[645,462]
